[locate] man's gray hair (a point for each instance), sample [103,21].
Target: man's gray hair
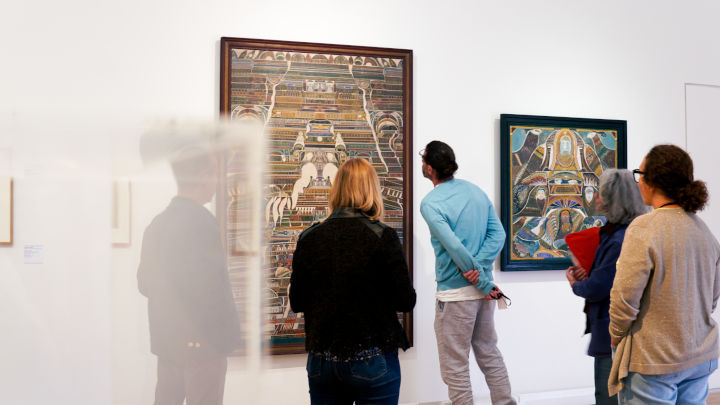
[621,196]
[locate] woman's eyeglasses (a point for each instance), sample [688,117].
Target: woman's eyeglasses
[636,175]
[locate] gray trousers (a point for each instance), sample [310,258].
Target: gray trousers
[458,326]
[200,380]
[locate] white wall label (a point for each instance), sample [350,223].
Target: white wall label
[34,254]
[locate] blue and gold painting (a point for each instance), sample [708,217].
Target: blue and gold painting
[552,176]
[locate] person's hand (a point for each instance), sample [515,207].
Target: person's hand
[580,273]
[471,275]
[494,294]
[570,274]
[614,343]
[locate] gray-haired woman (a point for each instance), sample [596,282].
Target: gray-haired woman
[620,201]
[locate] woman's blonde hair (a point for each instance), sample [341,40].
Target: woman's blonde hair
[356,185]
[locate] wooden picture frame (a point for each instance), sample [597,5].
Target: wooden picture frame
[550,168]
[6,210]
[330,102]
[120,230]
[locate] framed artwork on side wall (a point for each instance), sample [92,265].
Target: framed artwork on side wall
[6,210]
[319,105]
[550,170]
[120,218]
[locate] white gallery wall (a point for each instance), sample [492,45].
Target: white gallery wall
[702,108]
[81,80]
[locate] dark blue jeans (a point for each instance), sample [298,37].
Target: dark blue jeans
[602,375]
[373,380]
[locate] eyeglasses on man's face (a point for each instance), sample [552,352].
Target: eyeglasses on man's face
[636,175]
[422,154]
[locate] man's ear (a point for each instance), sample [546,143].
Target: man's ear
[432,172]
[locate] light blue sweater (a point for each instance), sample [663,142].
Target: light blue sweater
[465,231]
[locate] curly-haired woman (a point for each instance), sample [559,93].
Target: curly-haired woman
[666,286]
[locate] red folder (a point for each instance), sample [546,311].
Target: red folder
[583,245]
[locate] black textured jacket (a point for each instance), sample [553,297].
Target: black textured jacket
[350,278]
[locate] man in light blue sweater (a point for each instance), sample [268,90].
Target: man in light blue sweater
[467,236]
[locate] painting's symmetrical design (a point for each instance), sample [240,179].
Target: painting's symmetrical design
[551,170]
[319,105]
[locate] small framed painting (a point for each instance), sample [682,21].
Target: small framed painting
[6,210]
[550,170]
[120,225]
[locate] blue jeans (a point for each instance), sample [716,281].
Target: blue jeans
[687,387]
[373,380]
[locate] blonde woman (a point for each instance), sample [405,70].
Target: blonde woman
[350,279]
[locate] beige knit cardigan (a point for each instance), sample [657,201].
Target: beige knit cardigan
[666,286]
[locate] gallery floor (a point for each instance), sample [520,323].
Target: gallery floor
[713,399]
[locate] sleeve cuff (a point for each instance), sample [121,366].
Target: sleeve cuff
[485,288]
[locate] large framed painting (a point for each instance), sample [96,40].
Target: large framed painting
[550,168]
[319,105]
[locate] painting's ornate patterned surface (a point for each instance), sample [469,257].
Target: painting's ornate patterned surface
[554,178]
[317,110]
